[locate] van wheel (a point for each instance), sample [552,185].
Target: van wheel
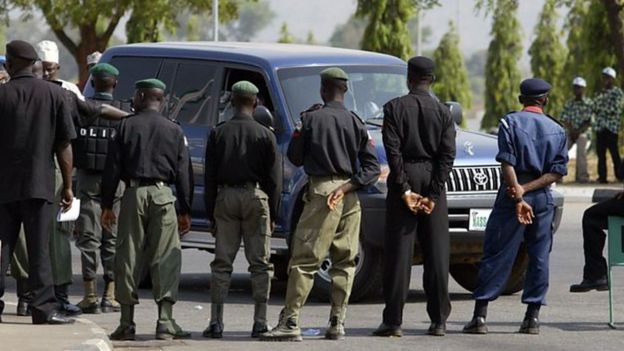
[368,276]
[467,274]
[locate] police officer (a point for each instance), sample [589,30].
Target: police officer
[419,139]
[243,163]
[91,147]
[37,123]
[532,149]
[335,150]
[148,154]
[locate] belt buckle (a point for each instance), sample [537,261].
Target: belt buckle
[159,185]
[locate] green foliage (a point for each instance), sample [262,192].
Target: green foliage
[253,17]
[349,34]
[285,36]
[451,75]
[311,39]
[387,27]
[548,56]
[502,77]
[589,43]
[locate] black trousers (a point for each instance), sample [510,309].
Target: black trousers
[607,140]
[403,228]
[595,221]
[36,215]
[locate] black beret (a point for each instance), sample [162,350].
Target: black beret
[421,66]
[21,49]
[534,87]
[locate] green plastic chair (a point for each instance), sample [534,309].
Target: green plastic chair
[615,241]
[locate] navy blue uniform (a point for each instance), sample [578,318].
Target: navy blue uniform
[534,145]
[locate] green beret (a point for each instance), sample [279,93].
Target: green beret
[104,70]
[151,83]
[334,73]
[245,88]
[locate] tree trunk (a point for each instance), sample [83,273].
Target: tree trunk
[614,13]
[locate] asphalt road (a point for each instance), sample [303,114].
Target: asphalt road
[569,322]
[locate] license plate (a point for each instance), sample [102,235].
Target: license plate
[478,219]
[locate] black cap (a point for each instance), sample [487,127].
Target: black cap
[534,87]
[420,66]
[21,49]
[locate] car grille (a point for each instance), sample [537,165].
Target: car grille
[467,179]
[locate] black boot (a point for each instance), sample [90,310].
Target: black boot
[127,328]
[64,306]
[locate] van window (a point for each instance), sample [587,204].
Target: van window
[131,69]
[190,99]
[232,76]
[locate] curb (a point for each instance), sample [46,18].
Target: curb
[100,342]
[586,194]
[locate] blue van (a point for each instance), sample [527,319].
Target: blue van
[199,77]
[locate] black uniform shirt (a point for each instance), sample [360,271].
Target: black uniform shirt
[241,151]
[148,147]
[331,142]
[35,118]
[418,128]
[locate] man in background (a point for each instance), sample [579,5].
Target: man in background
[576,117]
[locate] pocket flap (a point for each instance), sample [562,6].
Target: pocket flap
[163,197]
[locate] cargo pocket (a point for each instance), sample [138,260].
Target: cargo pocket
[164,200]
[261,205]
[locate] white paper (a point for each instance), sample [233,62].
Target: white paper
[70,215]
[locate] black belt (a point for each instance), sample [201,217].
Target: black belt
[145,182]
[247,185]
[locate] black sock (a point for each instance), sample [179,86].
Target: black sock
[532,310]
[480,309]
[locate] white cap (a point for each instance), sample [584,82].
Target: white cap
[579,81]
[609,72]
[48,51]
[93,58]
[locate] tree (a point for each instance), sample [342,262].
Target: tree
[502,76]
[96,20]
[451,75]
[285,36]
[253,17]
[349,34]
[590,50]
[311,40]
[387,30]
[614,12]
[548,56]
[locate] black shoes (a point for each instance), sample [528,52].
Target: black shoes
[173,331]
[437,329]
[587,285]
[58,318]
[530,326]
[23,308]
[258,329]
[123,333]
[388,331]
[69,309]
[476,326]
[214,331]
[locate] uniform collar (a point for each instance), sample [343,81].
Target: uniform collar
[243,116]
[335,104]
[103,96]
[534,109]
[22,75]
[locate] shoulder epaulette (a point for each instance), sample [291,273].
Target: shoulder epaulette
[554,120]
[311,109]
[356,116]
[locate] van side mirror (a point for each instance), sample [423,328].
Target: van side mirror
[456,111]
[263,116]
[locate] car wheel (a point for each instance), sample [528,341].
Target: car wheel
[467,274]
[368,276]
